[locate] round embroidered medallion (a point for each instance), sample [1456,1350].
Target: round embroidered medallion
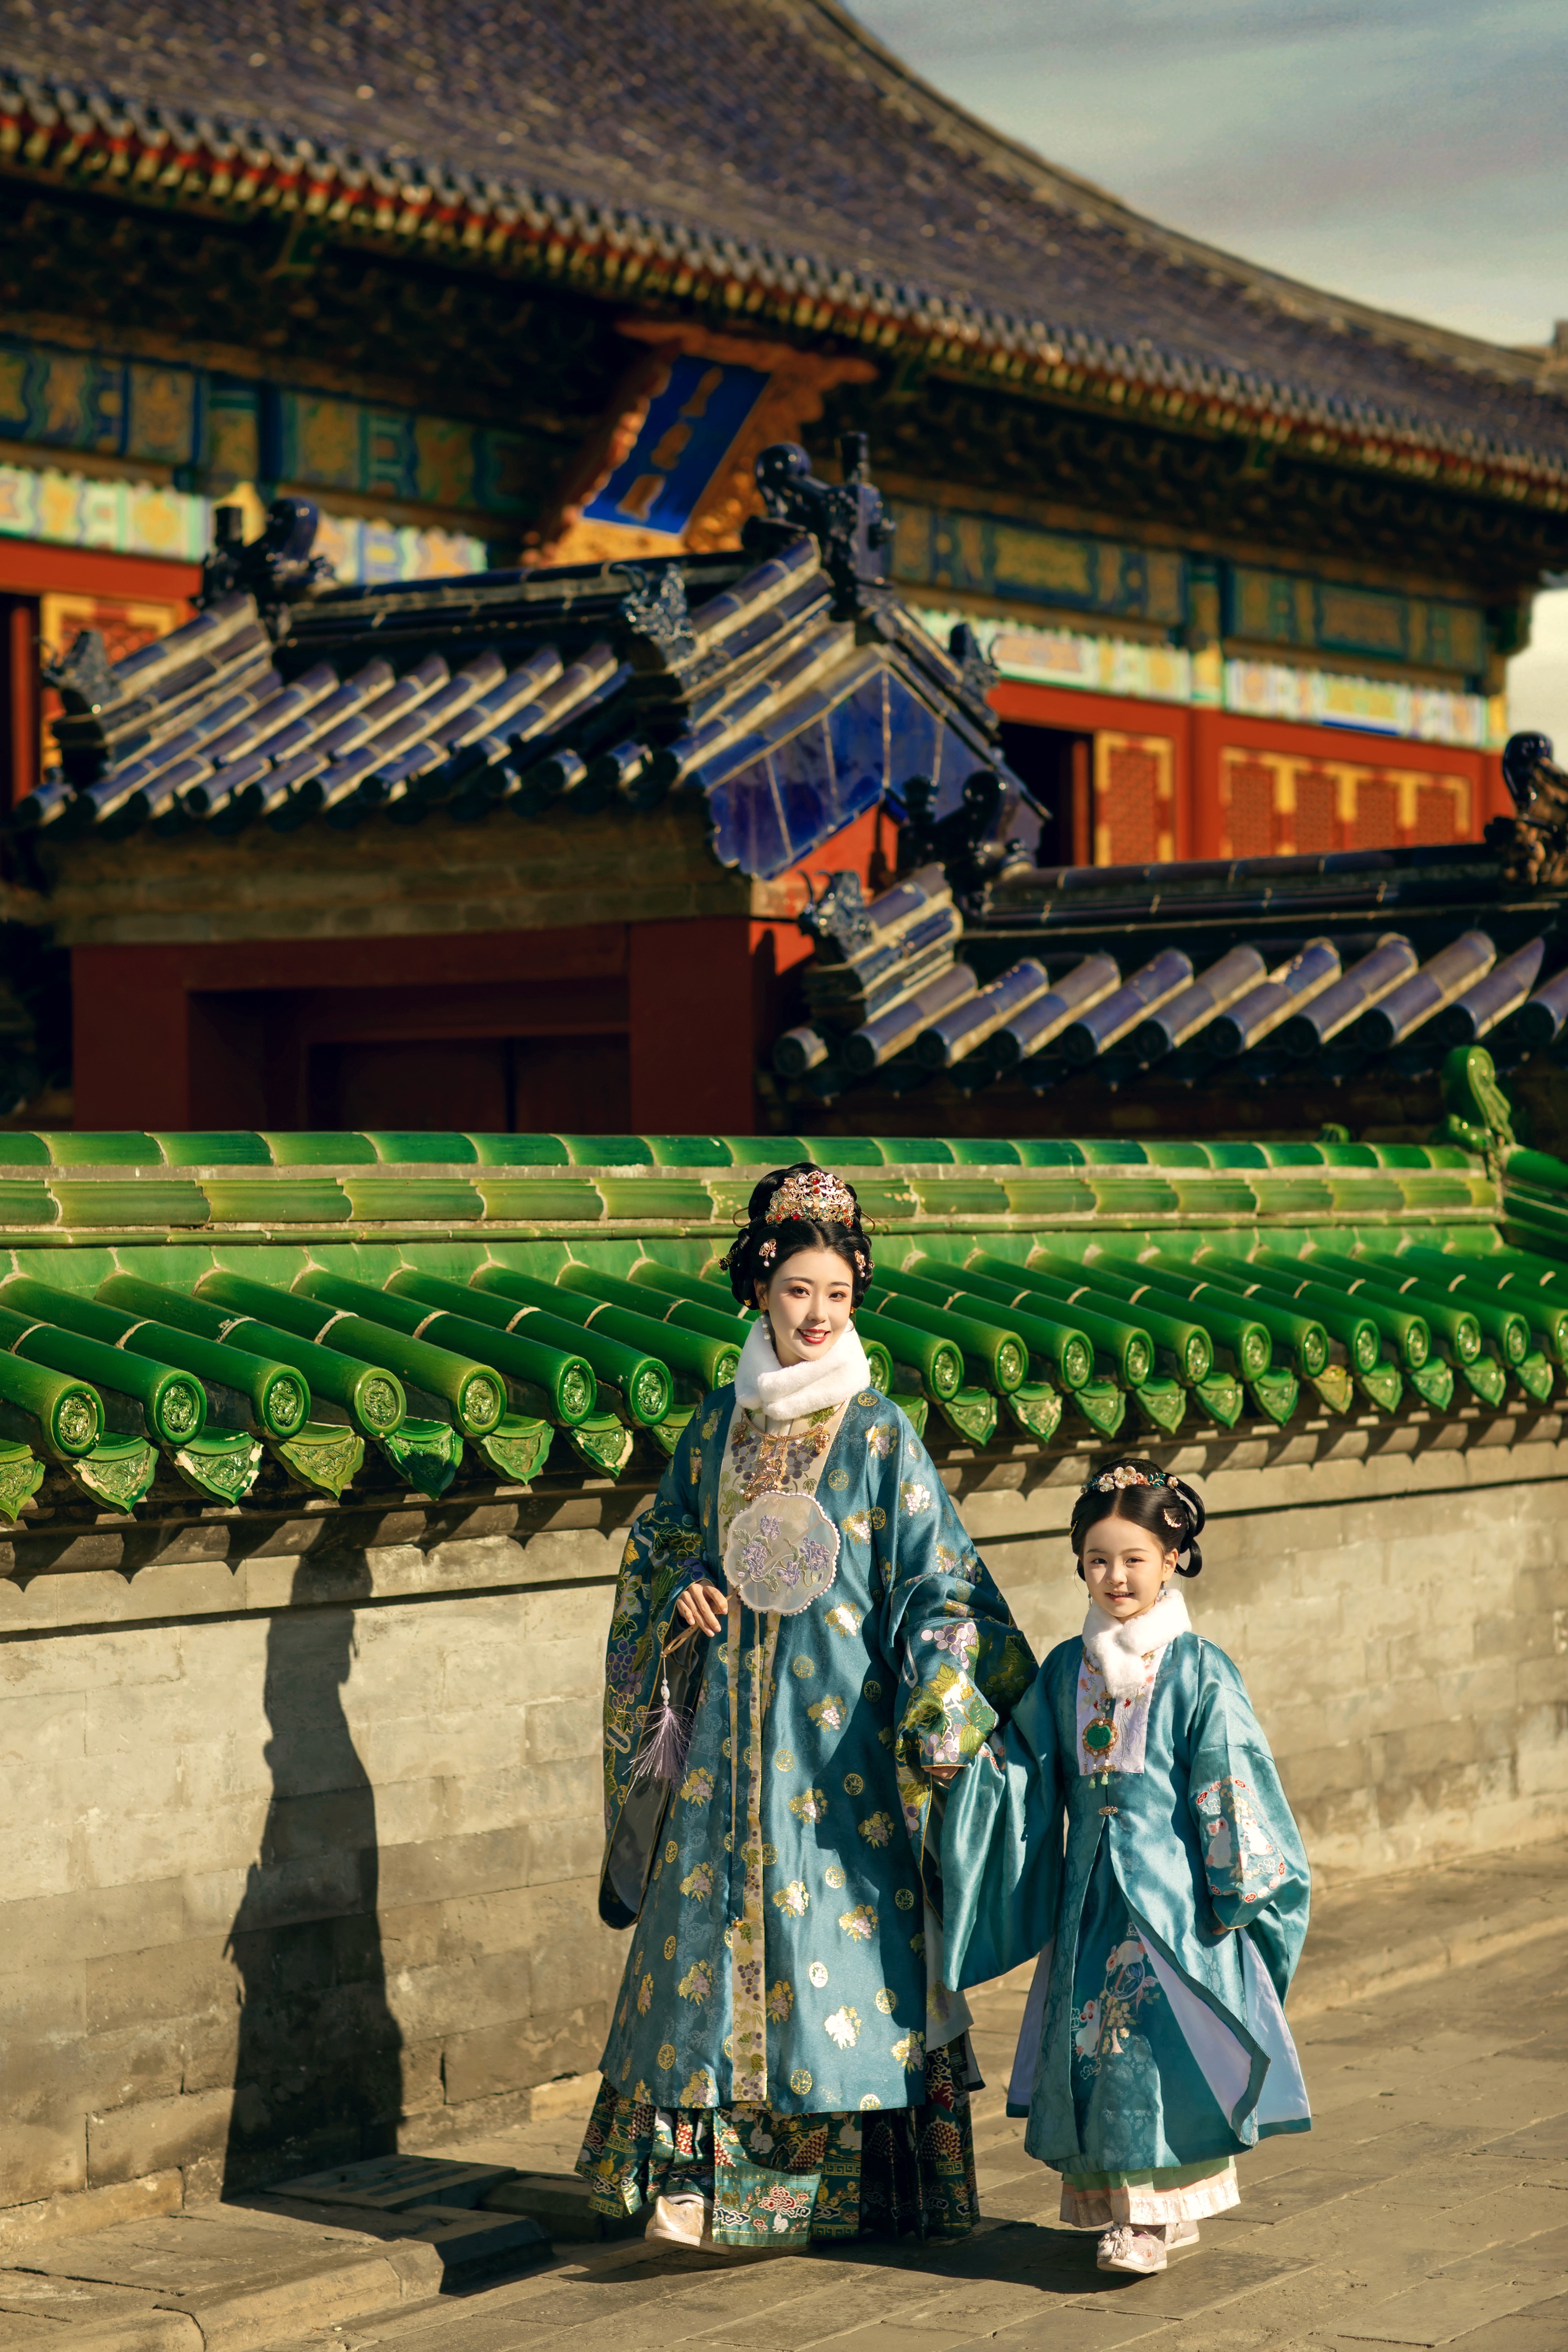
[782,1552]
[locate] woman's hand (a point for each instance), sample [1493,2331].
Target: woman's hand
[703,1605]
[944,1774]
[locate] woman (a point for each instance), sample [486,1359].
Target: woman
[784,2062]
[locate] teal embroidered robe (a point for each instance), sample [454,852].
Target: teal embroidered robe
[779,1953]
[1177,1825]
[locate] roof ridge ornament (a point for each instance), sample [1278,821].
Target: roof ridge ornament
[276,569]
[655,606]
[1533,842]
[847,519]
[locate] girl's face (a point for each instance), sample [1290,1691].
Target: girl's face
[807,1303]
[1124,1567]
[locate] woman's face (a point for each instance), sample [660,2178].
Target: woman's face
[807,1303]
[1124,1567]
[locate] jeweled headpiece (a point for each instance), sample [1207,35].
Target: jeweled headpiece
[1123,1474]
[814,1196]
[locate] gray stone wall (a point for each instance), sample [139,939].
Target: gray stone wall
[302,1816]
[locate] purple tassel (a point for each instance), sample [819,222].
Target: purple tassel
[667,1736]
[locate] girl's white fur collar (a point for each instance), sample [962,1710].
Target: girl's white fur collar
[1116,1646]
[786,1392]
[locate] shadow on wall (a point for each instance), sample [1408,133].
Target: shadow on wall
[319,2078]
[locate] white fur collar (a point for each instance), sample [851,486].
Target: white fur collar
[788,1392]
[1116,1646]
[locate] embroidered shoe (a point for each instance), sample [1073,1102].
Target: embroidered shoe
[1125,2248]
[1180,2235]
[683,2220]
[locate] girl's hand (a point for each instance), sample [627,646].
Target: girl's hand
[703,1605]
[944,1774]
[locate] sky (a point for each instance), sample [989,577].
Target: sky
[1409,153]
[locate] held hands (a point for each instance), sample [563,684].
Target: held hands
[703,1605]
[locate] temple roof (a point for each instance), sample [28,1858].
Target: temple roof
[785,684]
[768,158]
[1239,974]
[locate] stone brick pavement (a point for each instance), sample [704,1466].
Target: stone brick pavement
[1430,2205]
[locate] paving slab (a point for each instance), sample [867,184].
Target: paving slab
[1422,2211]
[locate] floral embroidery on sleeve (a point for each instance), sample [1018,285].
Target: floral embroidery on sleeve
[1239,1857]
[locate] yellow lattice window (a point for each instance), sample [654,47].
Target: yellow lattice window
[1133,794]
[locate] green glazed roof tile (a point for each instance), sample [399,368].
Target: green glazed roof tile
[1291,1195]
[1235,1155]
[1229,1196]
[767,1150]
[519,1152]
[86,1149]
[1449,1155]
[1349,1155]
[844,1151]
[1294,1155]
[1166,1154]
[22,1150]
[401,1148]
[885,1196]
[688,1151]
[1048,1151]
[1104,1153]
[25,1203]
[416,1200]
[1401,1155]
[607,1151]
[1367,1197]
[539,1200]
[142,1201]
[984,1151]
[916,1152]
[263,1201]
[319,1151]
[1135,1196]
[1046,1196]
[961,1196]
[658,1196]
[230,1147]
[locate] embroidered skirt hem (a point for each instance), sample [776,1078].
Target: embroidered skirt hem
[783,2181]
[1186,2192]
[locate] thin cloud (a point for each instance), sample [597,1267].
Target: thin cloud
[1410,154]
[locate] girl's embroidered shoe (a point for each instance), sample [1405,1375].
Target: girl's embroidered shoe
[684,2220]
[1179,2235]
[1126,2248]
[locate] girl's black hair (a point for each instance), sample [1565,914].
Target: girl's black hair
[1164,1508]
[761,1247]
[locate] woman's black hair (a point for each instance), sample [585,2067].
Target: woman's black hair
[1164,1508]
[822,1214]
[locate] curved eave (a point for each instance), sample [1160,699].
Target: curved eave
[158,156]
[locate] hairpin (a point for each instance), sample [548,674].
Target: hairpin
[1123,1474]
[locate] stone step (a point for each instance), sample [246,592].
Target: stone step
[559,2203]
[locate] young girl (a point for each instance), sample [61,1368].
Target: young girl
[1168,1919]
[786,2064]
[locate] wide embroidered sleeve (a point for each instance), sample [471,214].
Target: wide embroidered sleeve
[1002,1847]
[961,1663]
[1254,1862]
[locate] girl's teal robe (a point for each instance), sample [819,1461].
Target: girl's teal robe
[779,1953]
[1187,1838]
